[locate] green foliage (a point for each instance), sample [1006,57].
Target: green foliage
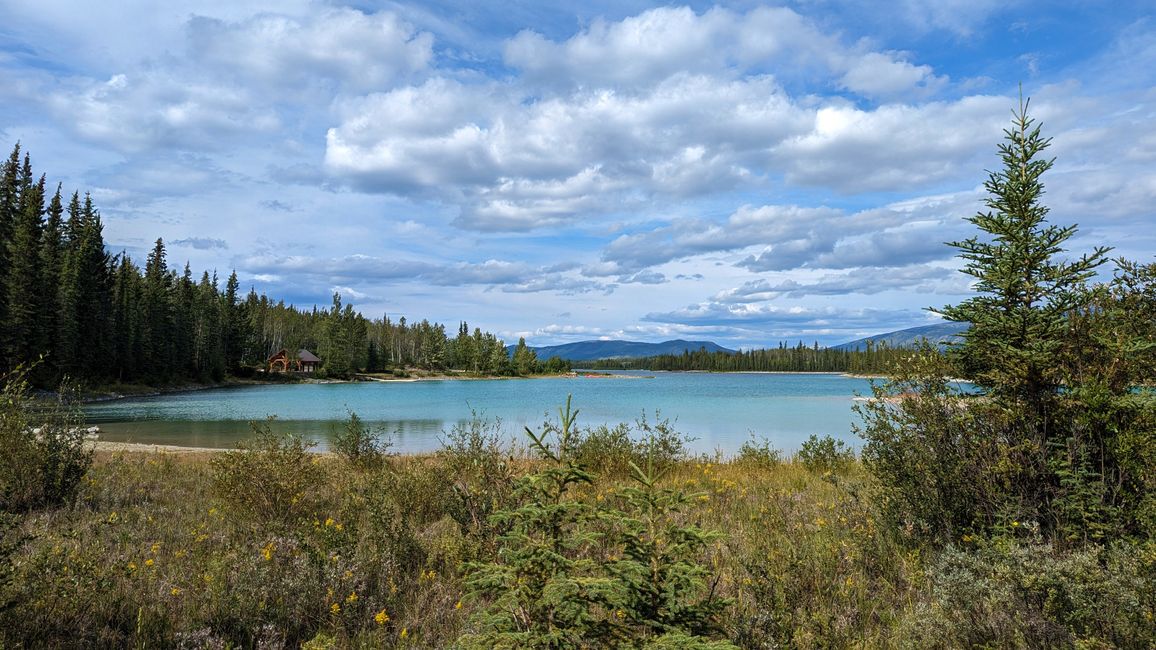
[1018,318]
[825,454]
[360,445]
[525,360]
[942,461]
[759,453]
[545,591]
[612,450]
[102,318]
[45,456]
[875,358]
[1028,595]
[666,586]
[479,469]
[570,575]
[269,479]
[1059,435]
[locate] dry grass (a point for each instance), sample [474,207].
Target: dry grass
[154,555]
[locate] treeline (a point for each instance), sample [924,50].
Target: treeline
[876,358]
[70,308]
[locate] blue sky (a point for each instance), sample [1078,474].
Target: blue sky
[742,172]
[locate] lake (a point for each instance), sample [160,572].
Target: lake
[721,410]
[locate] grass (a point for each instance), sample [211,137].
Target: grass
[157,551]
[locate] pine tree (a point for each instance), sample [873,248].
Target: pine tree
[156,354]
[9,209]
[51,267]
[22,275]
[1025,291]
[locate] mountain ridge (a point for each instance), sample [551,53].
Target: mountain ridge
[937,333]
[596,349]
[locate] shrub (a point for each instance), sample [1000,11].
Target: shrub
[360,445]
[607,450]
[759,453]
[942,457]
[1030,595]
[662,445]
[270,478]
[45,456]
[477,462]
[825,454]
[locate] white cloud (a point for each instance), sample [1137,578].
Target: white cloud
[875,74]
[343,46]
[894,147]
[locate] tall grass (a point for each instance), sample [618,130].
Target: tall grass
[161,550]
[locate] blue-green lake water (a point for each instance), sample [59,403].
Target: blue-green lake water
[720,410]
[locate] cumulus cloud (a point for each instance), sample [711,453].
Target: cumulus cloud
[515,163]
[895,146]
[153,109]
[342,46]
[665,105]
[877,74]
[783,225]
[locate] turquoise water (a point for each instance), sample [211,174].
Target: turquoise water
[720,410]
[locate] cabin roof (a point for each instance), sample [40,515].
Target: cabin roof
[306,355]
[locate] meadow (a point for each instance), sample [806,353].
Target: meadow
[275,546]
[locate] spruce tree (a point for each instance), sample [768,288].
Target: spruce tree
[9,208]
[1025,290]
[22,274]
[51,267]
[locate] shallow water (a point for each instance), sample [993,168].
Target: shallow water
[720,410]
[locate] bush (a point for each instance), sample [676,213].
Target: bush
[607,450]
[759,453]
[477,461]
[1029,595]
[45,456]
[359,445]
[825,454]
[270,479]
[611,450]
[941,456]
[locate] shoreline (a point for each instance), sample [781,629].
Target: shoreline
[110,447]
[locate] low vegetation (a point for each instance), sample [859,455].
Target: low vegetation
[478,546]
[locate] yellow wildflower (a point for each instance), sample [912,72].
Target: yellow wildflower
[351,598]
[267,552]
[329,522]
[156,547]
[404,632]
[132,566]
[458,605]
[176,591]
[381,617]
[149,562]
[335,608]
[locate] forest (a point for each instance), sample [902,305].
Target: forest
[874,359]
[73,309]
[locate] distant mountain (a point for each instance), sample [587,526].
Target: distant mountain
[594,350]
[939,333]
